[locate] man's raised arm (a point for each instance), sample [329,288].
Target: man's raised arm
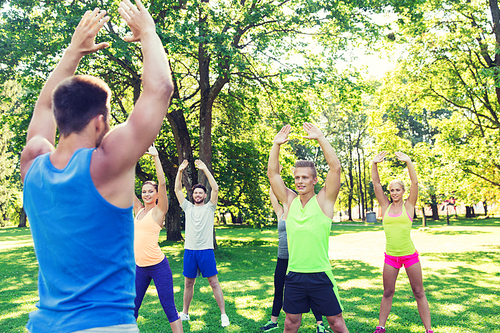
[178,182]
[273,166]
[126,143]
[214,195]
[332,183]
[43,125]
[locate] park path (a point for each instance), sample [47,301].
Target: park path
[369,246]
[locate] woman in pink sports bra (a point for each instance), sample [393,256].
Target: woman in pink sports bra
[151,263]
[400,251]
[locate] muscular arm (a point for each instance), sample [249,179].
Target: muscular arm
[329,193]
[273,167]
[178,182]
[114,160]
[214,195]
[42,128]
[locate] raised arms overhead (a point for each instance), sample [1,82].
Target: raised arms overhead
[42,128]
[214,195]
[126,143]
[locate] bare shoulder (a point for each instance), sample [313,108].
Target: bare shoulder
[116,185]
[37,146]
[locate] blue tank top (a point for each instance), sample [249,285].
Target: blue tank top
[84,246]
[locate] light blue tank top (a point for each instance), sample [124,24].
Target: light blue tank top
[84,246]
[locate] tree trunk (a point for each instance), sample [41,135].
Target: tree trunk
[360,185]
[435,212]
[206,103]
[469,212]
[434,208]
[351,179]
[485,208]
[184,150]
[173,217]
[22,219]
[350,194]
[424,221]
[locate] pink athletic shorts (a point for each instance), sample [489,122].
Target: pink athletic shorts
[398,262]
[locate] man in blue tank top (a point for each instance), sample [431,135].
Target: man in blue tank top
[78,196]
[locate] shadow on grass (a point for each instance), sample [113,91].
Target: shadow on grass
[14,234]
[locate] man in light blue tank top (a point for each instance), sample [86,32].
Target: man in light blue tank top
[308,216]
[78,196]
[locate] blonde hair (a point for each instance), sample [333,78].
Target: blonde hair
[397,181]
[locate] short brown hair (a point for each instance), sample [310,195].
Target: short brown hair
[307,164]
[78,99]
[152,183]
[199,186]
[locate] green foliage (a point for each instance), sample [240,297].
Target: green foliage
[450,68]
[10,183]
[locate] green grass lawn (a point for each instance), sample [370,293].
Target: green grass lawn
[460,266]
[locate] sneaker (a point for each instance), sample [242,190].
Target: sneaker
[380,329]
[184,316]
[321,328]
[269,326]
[429,331]
[224,320]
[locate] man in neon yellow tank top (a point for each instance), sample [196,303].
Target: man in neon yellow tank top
[309,216]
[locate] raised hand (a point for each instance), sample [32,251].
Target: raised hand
[282,136]
[152,151]
[313,133]
[83,40]
[379,157]
[200,165]
[403,157]
[183,165]
[138,19]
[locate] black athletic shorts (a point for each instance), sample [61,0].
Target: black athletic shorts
[303,290]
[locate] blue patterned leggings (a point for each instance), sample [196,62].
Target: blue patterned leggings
[162,277]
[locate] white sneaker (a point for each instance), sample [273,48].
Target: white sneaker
[224,320]
[184,316]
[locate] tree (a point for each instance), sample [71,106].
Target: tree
[216,49]
[10,183]
[453,64]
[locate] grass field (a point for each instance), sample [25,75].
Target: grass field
[460,266]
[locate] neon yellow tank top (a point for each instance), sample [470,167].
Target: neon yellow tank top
[308,232]
[397,234]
